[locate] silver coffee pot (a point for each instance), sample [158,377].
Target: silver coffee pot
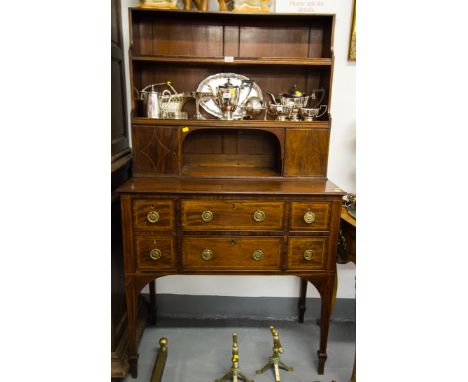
[155,102]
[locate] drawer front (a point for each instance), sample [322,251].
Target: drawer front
[307,253]
[155,252]
[153,215]
[232,215]
[232,253]
[314,216]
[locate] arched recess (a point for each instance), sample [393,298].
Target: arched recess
[232,152]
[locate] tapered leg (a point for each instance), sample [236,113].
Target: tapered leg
[132,337]
[324,285]
[327,298]
[152,303]
[302,300]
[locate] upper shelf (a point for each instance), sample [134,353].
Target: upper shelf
[208,37]
[237,60]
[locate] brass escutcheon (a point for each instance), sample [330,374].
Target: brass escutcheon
[257,255]
[155,254]
[309,217]
[308,254]
[152,216]
[259,216]
[207,254]
[207,216]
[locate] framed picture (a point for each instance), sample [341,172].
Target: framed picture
[352,39]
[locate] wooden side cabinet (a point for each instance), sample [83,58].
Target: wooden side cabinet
[247,197]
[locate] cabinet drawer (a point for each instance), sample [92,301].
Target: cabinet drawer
[232,252]
[307,252]
[314,216]
[152,215]
[155,252]
[232,215]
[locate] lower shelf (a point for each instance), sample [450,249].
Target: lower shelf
[226,171]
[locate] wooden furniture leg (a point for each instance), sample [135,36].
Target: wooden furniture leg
[152,303]
[304,292]
[325,287]
[131,298]
[302,301]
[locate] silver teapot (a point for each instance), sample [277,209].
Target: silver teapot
[297,99]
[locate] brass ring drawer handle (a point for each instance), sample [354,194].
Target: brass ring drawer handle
[259,216]
[309,217]
[308,254]
[207,216]
[155,254]
[152,217]
[207,254]
[257,255]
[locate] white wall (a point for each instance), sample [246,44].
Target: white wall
[341,164]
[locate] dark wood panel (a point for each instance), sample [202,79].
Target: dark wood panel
[156,151]
[119,123]
[119,130]
[273,40]
[306,152]
[232,215]
[187,39]
[118,307]
[115,22]
[231,252]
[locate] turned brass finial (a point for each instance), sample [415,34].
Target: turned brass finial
[163,342]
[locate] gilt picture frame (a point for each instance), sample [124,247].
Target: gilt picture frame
[352,38]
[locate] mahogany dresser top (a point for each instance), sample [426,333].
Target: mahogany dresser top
[181,185]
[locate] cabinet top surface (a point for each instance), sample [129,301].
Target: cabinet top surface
[178,185]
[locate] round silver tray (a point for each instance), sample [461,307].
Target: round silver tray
[209,85]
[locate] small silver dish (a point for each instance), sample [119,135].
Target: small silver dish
[310,114]
[281,112]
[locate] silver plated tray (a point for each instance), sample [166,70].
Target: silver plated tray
[209,85]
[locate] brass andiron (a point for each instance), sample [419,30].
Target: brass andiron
[158,368]
[274,360]
[234,373]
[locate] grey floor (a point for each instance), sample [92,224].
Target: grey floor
[200,351]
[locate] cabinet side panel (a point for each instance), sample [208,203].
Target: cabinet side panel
[306,152]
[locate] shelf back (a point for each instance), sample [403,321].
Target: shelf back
[218,35]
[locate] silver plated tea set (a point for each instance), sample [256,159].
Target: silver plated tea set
[229,96]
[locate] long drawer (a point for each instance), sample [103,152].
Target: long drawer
[307,253]
[220,253]
[232,215]
[154,252]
